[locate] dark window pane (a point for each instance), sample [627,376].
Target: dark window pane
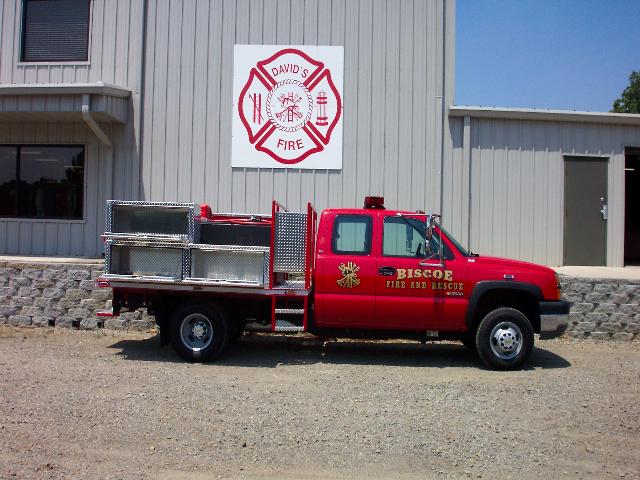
[55,30]
[51,182]
[352,234]
[8,181]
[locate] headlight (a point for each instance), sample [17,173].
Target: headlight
[558,286]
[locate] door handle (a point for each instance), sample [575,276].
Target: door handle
[425,263]
[604,210]
[387,271]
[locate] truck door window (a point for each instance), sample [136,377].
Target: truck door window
[401,238]
[405,237]
[351,235]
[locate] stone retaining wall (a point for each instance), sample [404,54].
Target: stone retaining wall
[63,295]
[60,295]
[603,308]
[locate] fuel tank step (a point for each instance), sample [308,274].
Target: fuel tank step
[285,326]
[290,311]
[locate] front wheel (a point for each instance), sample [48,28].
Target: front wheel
[504,339]
[199,332]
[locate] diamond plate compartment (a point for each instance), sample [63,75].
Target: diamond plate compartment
[174,221]
[290,242]
[229,264]
[137,259]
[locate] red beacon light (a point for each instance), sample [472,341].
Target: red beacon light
[374,202]
[205,211]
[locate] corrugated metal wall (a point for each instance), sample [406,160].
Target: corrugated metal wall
[116,58]
[516,175]
[114,50]
[394,81]
[60,237]
[502,185]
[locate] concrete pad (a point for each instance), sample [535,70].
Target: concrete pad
[617,273]
[8,259]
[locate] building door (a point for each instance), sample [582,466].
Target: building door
[585,211]
[632,207]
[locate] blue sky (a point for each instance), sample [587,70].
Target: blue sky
[566,54]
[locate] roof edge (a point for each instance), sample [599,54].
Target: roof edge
[544,115]
[97,88]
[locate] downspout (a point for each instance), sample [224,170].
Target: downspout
[143,67]
[91,122]
[95,128]
[443,105]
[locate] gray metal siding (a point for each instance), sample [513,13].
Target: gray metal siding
[515,171]
[115,56]
[393,88]
[397,78]
[115,43]
[58,237]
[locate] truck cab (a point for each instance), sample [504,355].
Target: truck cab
[391,273]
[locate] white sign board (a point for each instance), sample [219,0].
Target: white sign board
[287,106]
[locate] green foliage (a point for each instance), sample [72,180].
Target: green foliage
[629,101]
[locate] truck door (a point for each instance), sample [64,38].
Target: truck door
[414,291]
[346,273]
[451,292]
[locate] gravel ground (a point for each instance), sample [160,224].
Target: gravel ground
[116,405]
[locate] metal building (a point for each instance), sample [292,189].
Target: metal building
[545,186]
[108,99]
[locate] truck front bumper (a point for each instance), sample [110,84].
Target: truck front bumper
[554,318]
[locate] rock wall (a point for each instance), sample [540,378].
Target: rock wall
[603,309]
[60,295]
[64,295]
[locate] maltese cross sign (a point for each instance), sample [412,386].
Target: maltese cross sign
[287,107]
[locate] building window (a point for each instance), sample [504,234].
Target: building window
[55,30]
[42,181]
[351,235]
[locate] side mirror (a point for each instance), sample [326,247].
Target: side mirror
[429,224]
[409,241]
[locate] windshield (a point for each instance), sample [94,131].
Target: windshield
[435,244]
[459,247]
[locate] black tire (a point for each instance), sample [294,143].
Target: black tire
[199,331]
[504,339]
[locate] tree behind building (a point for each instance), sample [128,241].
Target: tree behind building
[629,101]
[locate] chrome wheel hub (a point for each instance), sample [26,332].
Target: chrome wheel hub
[506,340]
[196,332]
[199,330]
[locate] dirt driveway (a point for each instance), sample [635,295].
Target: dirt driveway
[105,405]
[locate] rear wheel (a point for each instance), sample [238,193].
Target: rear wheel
[199,332]
[504,339]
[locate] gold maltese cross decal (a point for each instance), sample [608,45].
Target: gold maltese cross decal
[349,275]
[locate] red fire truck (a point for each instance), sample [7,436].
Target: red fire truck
[351,273]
